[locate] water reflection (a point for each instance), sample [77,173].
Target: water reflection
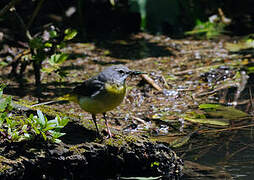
[233,154]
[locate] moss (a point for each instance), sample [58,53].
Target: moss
[121,140]
[3,164]
[50,111]
[114,142]
[87,123]
[4,167]
[130,138]
[77,150]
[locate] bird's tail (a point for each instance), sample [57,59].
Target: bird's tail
[67,97]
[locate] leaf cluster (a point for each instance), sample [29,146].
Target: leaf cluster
[48,47]
[15,128]
[215,114]
[207,29]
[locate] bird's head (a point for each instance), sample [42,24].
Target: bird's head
[117,74]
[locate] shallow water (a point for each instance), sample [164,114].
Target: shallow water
[233,155]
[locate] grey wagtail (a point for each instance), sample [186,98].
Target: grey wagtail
[100,93]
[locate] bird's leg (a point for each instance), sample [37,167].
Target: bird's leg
[106,122]
[94,120]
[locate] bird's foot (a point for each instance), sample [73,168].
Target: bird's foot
[108,134]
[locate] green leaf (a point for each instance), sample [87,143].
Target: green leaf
[48,128]
[58,58]
[27,136]
[155,164]
[62,121]
[209,106]
[61,45]
[56,134]
[226,112]
[24,127]
[48,45]
[140,7]
[41,118]
[207,29]
[36,43]
[70,34]
[57,141]
[53,34]
[211,121]
[3,64]
[250,70]
[3,117]
[2,86]
[35,129]
[50,69]
[62,58]
[44,136]
[5,103]
[9,103]
[52,124]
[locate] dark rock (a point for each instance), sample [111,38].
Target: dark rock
[111,158]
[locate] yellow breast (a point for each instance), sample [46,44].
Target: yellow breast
[106,100]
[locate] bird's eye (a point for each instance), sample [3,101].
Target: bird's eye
[121,71]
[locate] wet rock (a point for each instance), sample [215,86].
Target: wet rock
[110,158]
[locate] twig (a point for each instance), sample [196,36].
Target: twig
[251,98]
[139,120]
[224,19]
[165,82]
[226,129]
[234,153]
[23,53]
[215,90]
[23,26]
[151,82]
[35,13]
[44,103]
[243,102]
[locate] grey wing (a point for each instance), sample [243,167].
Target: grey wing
[90,87]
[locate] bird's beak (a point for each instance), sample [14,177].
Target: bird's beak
[136,72]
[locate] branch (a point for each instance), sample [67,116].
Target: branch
[35,13]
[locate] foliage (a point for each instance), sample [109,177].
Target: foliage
[215,114]
[44,47]
[139,6]
[250,70]
[151,18]
[41,46]
[17,128]
[227,112]
[48,46]
[207,29]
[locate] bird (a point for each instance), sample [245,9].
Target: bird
[101,93]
